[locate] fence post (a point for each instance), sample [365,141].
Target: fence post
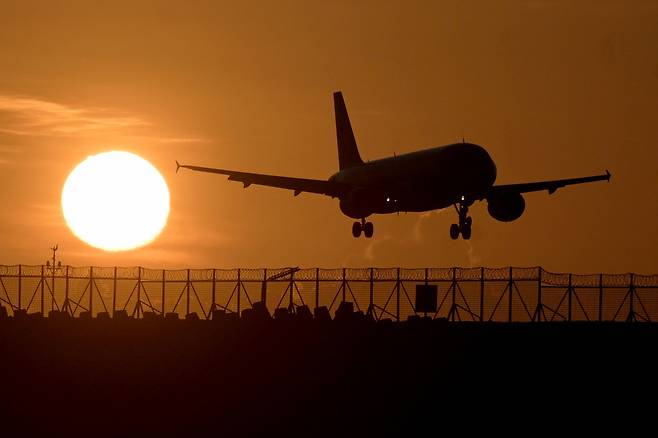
[239,290]
[138,307]
[317,287]
[540,306]
[397,297]
[42,281]
[53,303]
[91,291]
[452,315]
[600,297]
[371,305]
[343,285]
[481,293]
[164,276]
[66,290]
[292,289]
[214,290]
[509,300]
[631,293]
[187,296]
[20,275]
[114,291]
[569,300]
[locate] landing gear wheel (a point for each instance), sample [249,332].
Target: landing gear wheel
[368,229]
[465,221]
[356,229]
[454,231]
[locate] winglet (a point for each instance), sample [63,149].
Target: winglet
[177,166]
[608,175]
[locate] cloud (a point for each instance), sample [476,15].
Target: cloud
[27,116]
[31,116]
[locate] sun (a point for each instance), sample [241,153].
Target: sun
[115,201]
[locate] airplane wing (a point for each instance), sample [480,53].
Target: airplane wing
[551,186]
[297,185]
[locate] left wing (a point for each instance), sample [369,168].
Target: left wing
[297,185]
[551,186]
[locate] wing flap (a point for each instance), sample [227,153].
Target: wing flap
[297,185]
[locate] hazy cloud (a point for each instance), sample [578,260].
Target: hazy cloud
[26,116]
[29,116]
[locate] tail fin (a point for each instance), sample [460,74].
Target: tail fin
[348,153]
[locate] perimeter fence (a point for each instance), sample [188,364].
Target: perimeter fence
[465,294]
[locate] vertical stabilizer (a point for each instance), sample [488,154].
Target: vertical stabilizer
[348,153]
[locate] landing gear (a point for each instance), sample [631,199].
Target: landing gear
[465,222]
[454,231]
[367,227]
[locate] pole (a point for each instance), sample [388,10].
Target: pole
[343,287]
[42,281]
[453,308]
[371,306]
[569,300]
[162,312]
[292,288]
[138,305]
[66,290]
[239,290]
[631,293]
[91,291]
[114,291]
[317,287]
[600,297]
[214,288]
[540,306]
[20,275]
[52,283]
[509,300]
[187,296]
[397,297]
[481,293]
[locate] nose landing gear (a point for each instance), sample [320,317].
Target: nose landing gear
[464,225]
[367,227]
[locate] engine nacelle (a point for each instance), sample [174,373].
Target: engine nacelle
[507,207]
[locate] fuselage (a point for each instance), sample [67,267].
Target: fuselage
[424,180]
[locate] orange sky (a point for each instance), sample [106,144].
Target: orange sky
[552,89]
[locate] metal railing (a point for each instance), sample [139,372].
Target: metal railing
[467,294]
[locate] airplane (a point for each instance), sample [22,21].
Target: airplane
[431,179]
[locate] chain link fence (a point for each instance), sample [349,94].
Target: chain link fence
[466,294]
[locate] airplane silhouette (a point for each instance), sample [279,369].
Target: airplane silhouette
[431,179]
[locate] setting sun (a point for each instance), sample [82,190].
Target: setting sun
[115,201]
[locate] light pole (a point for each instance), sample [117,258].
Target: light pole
[56,266]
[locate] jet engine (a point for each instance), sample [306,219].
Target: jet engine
[506,207]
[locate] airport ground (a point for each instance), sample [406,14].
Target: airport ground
[296,376]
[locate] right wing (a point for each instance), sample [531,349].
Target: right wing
[550,186]
[297,185]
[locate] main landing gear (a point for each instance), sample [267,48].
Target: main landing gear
[465,222]
[367,228]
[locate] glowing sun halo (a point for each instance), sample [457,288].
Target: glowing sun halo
[115,201]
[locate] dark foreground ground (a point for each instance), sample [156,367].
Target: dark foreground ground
[111,377]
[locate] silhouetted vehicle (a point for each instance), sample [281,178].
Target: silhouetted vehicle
[457,174]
